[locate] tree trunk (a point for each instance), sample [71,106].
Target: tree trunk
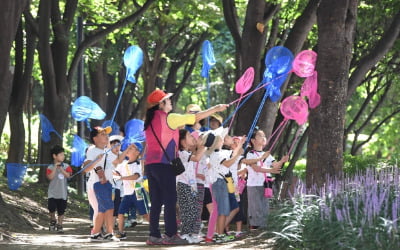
[251,49]
[19,95]
[336,22]
[10,14]
[53,60]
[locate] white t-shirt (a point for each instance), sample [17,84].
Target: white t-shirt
[126,169]
[115,183]
[256,178]
[202,168]
[189,176]
[234,170]
[217,169]
[91,155]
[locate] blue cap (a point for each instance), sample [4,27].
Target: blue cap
[139,146]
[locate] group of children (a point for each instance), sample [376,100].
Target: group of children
[114,185]
[215,163]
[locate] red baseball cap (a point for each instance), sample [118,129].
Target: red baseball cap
[157,96]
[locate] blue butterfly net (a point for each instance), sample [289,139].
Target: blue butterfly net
[278,62]
[78,151]
[84,108]
[208,58]
[47,128]
[133,59]
[134,132]
[15,175]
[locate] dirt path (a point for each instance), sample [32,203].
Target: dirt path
[33,207]
[76,235]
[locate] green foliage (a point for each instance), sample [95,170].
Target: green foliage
[4,143]
[299,169]
[356,163]
[360,212]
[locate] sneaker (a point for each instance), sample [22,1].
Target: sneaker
[133,223]
[154,241]
[52,226]
[121,235]
[190,238]
[239,234]
[224,238]
[127,224]
[110,237]
[196,238]
[59,229]
[139,220]
[174,240]
[96,237]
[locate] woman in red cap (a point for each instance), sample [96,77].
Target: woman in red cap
[161,127]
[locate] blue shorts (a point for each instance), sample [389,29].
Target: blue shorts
[128,201]
[104,196]
[233,204]
[221,196]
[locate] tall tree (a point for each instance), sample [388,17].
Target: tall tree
[55,27]
[336,29]
[24,61]
[10,15]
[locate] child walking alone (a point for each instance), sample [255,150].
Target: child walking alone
[57,173]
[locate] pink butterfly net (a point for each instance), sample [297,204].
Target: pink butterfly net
[242,86]
[309,89]
[304,63]
[304,66]
[245,81]
[295,108]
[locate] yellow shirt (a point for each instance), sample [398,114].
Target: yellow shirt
[177,120]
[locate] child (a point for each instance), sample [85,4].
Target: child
[220,161]
[58,174]
[115,144]
[187,186]
[236,170]
[98,156]
[130,172]
[103,192]
[258,204]
[201,170]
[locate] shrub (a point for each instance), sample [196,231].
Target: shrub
[359,212]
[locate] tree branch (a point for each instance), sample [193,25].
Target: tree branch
[381,48]
[89,41]
[357,147]
[232,21]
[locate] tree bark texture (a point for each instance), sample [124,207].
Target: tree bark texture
[20,90]
[336,26]
[10,14]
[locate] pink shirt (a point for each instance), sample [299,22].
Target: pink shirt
[168,137]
